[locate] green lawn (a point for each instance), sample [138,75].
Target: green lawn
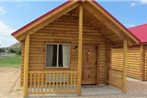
[10,61]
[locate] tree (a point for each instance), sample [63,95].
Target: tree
[2,50]
[11,50]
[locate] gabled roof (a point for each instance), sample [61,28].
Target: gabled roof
[140,32]
[64,6]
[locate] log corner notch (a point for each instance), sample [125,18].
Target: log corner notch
[124,86]
[26,65]
[80,44]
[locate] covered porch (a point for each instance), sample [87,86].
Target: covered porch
[68,81]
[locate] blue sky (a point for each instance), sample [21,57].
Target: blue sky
[17,13]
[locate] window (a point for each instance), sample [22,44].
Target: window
[58,55]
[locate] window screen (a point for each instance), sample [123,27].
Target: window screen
[57,55]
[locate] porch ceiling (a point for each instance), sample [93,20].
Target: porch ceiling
[105,24]
[101,27]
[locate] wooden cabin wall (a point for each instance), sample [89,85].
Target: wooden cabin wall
[65,30]
[145,65]
[133,61]
[117,59]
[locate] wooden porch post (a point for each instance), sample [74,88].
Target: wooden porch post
[26,64]
[80,44]
[125,44]
[142,62]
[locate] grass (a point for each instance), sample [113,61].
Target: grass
[10,61]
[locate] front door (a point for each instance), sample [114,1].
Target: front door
[89,73]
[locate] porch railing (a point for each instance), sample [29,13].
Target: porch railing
[52,82]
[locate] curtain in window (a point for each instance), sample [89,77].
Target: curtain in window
[66,55]
[49,56]
[54,60]
[60,63]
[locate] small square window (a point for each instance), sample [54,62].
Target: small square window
[58,55]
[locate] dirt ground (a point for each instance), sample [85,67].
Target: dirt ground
[9,87]
[9,83]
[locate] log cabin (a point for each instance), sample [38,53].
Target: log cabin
[137,54]
[70,46]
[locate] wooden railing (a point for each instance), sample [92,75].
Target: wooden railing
[52,82]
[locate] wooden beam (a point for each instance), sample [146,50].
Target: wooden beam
[80,45]
[142,62]
[26,64]
[125,45]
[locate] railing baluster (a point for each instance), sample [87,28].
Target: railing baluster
[74,86]
[46,80]
[38,76]
[67,79]
[30,82]
[76,77]
[61,82]
[41,86]
[53,79]
[71,85]
[50,79]
[34,82]
[64,86]
[57,82]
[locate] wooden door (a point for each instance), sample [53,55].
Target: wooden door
[89,66]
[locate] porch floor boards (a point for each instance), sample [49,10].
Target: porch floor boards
[86,90]
[99,89]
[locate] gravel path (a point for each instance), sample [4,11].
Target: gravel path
[9,87]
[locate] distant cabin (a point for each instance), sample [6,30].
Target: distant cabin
[71,46]
[137,54]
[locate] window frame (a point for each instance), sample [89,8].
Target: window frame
[58,66]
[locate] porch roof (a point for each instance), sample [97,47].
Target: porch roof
[121,31]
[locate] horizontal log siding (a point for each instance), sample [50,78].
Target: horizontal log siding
[65,30]
[133,61]
[145,67]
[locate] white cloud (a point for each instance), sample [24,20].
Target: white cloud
[2,10]
[130,25]
[132,4]
[5,35]
[22,5]
[138,2]
[143,1]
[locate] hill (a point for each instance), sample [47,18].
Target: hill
[16,45]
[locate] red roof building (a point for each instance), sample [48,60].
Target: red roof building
[140,32]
